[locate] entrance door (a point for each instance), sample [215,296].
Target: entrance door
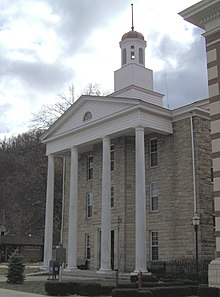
[112,249]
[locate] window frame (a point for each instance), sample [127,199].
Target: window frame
[88,246]
[124,56]
[112,157]
[154,245]
[112,197]
[132,55]
[87,116]
[211,171]
[153,153]
[154,197]
[141,55]
[89,205]
[90,167]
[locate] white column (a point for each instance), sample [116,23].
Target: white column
[48,236]
[72,231]
[140,211]
[106,209]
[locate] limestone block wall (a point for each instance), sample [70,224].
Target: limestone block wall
[173,221]
[204,187]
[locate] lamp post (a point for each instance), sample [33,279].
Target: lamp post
[195,222]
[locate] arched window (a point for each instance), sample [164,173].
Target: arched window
[124,56]
[141,56]
[87,116]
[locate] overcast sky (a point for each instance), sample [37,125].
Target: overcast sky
[47,45]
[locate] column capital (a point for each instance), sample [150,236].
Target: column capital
[139,128]
[106,138]
[74,149]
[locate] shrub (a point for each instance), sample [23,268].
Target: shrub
[73,288]
[106,290]
[175,291]
[89,289]
[143,293]
[170,283]
[208,291]
[145,278]
[128,286]
[16,268]
[57,288]
[124,293]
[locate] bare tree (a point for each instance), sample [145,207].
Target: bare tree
[94,90]
[49,113]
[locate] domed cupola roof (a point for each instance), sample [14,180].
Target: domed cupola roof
[132,34]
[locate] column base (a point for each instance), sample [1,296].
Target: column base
[214,273]
[70,269]
[105,271]
[44,267]
[143,271]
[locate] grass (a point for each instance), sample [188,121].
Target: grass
[36,287]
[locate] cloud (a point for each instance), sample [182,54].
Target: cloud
[48,44]
[40,75]
[78,19]
[184,77]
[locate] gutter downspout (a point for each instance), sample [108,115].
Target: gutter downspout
[63,194]
[193,165]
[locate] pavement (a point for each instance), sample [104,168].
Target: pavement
[10,293]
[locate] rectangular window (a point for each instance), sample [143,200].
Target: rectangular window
[132,55]
[154,195]
[90,167]
[112,157]
[112,197]
[153,152]
[89,198]
[154,245]
[88,247]
[211,171]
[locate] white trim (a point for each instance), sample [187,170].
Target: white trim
[150,140]
[151,196]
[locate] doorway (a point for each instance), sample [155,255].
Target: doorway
[112,249]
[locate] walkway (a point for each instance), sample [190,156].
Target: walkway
[10,293]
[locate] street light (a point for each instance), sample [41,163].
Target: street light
[195,222]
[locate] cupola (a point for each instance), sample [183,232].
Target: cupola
[132,46]
[133,79]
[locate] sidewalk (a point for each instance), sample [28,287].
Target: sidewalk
[10,293]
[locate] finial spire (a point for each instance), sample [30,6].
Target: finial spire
[132,19]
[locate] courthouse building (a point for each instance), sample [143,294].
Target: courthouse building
[135,173]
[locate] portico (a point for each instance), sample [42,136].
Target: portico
[137,114]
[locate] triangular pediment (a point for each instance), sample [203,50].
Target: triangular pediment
[96,107]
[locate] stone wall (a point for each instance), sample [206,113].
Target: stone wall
[173,221]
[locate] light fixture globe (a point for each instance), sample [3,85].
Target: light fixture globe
[195,220]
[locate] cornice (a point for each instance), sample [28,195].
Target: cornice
[202,13]
[141,106]
[191,110]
